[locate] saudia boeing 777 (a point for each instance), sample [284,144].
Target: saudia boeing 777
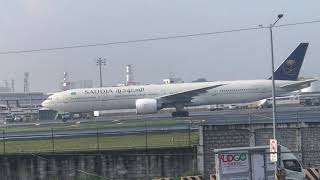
[151,98]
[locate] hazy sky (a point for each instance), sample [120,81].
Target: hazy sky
[34,24]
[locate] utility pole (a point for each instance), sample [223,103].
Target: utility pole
[100,62]
[146,149]
[273,86]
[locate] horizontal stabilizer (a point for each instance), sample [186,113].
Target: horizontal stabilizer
[298,83]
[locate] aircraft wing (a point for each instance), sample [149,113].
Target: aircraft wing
[298,83]
[186,96]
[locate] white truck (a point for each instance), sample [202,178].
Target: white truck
[253,163]
[216,107]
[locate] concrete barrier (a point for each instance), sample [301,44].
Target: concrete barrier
[199,177]
[120,164]
[312,173]
[213,177]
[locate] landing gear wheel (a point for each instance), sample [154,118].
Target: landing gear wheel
[174,114]
[180,114]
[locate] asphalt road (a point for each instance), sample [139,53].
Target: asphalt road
[224,117]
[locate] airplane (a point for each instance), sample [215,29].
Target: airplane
[147,99]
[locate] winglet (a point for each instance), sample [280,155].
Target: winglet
[290,68]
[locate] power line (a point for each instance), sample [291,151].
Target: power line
[128,41]
[153,39]
[298,23]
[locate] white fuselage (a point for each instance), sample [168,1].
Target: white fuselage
[112,98]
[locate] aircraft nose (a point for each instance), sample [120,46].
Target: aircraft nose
[45,104]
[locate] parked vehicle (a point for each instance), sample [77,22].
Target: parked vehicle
[76,116]
[8,118]
[252,163]
[309,101]
[265,103]
[216,107]
[65,116]
[232,106]
[18,118]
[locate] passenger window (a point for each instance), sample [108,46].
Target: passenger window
[292,165]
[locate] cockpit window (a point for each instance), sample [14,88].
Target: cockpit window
[49,99]
[292,164]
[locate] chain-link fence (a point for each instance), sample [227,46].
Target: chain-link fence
[70,139]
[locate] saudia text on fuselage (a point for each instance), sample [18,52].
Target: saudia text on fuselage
[114,91]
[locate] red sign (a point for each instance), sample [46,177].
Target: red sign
[273,150]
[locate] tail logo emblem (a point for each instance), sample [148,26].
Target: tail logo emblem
[290,67]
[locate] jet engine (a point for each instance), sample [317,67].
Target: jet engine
[146,106]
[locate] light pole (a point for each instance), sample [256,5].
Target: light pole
[273,85]
[100,62]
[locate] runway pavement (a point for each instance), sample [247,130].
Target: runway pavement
[224,117]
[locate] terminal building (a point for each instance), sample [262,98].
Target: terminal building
[28,99]
[25,105]
[5,86]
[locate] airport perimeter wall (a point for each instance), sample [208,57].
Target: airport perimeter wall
[301,138]
[122,164]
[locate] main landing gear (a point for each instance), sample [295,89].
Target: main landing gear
[180,112]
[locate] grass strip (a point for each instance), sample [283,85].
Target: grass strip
[91,125]
[101,143]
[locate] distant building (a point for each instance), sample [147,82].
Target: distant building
[4,87]
[66,84]
[26,83]
[129,76]
[200,80]
[81,84]
[23,99]
[172,81]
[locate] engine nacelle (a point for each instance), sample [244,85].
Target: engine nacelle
[146,106]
